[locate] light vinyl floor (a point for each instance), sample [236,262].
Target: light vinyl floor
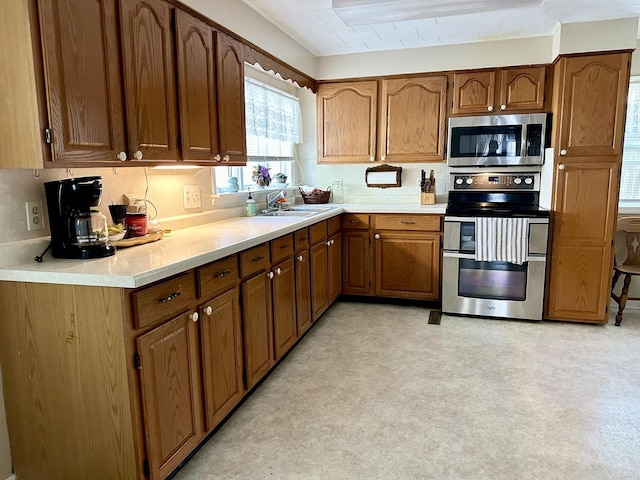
[374,392]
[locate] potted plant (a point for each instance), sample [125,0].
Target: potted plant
[261,176]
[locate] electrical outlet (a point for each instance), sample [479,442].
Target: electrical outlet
[35,215]
[191,197]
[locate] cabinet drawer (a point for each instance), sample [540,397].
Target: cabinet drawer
[355,221]
[217,277]
[301,239]
[163,301]
[281,248]
[333,225]
[254,260]
[408,222]
[318,232]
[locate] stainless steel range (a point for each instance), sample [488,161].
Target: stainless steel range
[495,246]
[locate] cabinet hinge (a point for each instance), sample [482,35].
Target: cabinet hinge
[136,361]
[48,136]
[146,468]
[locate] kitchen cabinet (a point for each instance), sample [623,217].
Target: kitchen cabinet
[412,125]
[83,85]
[325,256]
[413,120]
[356,254]
[230,88]
[171,394]
[500,91]
[347,121]
[303,280]
[257,320]
[285,331]
[590,92]
[149,80]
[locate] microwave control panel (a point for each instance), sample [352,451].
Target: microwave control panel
[498,181]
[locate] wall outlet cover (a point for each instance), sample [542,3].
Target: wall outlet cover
[35,215]
[191,196]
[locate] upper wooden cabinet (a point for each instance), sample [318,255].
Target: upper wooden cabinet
[230,81]
[83,78]
[347,122]
[414,119]
[196,88]
[411,126]
[591,113]
[502,90]
[149,79]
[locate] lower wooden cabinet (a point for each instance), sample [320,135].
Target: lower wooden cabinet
[395,256]
[302,269]
[171,393]
[285,329]
[325,256]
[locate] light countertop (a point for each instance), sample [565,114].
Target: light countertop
[184,249]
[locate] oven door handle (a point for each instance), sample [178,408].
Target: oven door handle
[473,219]
[472,256]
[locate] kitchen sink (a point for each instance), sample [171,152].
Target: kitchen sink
[297,212]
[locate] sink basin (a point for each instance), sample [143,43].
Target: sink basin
[296,212]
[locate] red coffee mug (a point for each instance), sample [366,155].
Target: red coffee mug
[136,224]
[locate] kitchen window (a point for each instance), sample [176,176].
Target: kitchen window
[630,175]
[274,130]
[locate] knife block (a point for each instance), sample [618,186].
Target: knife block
[427,198]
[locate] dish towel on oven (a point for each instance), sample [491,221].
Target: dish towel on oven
[502,239]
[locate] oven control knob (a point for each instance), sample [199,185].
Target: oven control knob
[528,180]
[469,181]
[517,180]
[459,181]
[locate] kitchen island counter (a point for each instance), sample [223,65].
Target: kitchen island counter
[182,250]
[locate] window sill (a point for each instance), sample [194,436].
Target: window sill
[629,209]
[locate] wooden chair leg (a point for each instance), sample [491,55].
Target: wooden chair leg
[623,298]
[616,276]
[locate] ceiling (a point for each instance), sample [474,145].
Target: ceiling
[323,31]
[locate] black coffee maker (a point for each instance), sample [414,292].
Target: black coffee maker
[77,231]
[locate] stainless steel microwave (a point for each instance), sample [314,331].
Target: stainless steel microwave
[497,140]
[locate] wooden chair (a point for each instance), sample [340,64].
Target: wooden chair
[629,228]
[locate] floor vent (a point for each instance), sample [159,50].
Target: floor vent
[434,317]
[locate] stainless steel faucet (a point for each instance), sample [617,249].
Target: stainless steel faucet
[272,198]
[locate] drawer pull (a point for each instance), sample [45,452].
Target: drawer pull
[278,271]
[208,310]
[377,236]
[258,259]
[408,222]
[282,247]
[354,221]
[222,274]
[303,239]
[270,274]
[194,317]
[172,296]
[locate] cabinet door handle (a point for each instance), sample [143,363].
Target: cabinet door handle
[503,107]
[137,155]
[270,274]
[208,310]
[278,271]
[408,222]
[194,316]
[172,296]
[300,258]
[561,167]
[258,259]
[222,274]
[490,108]
[372,159]
[377,236]
[382,158]
[563,152]
[122,156]
[226,158]
[217,158]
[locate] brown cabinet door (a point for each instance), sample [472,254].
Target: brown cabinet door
[355,263]
[83,80]
[592,110]
[474,92]
[258,327]
[285,332]
[347,116]
[581,259]
[522,88]
[170,389]
[303,291]
[221,340]
[149,79]
[230,77]
[334,276]
[319,283]
[196,88]
[414,119]
[407,265]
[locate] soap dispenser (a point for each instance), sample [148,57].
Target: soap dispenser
[251,206]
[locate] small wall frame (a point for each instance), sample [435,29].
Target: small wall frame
[383,176]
